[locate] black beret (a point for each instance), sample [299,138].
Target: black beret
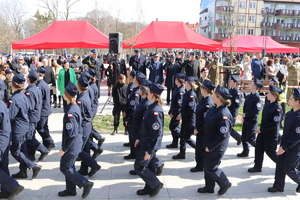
[140,75]
[224,92]
[71,89]
[156,88]
[18,78]
[276,89]
[84,79]
[208,84]
[180,75]
[41,70]
[33,76]
[235,78]
[258,83]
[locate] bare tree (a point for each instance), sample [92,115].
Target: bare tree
[69,5]
[52,6]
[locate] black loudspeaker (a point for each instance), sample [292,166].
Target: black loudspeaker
[115,42]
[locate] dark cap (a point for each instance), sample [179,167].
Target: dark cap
[18,78]
[84,79]
[91,72]
[41,70]
[172,56]
[208,84]
[140,75]
[137,51]
[155,55]
[204,69]
[276,89]
[192,53]
[296,92]
[8,71]
[180,75]
[71,89]
[133,73]
[274,80]
[32,75]
[189,78]
[224,92]
[146,83]
[156,88]
[94,51]
[258,83]
[235,78]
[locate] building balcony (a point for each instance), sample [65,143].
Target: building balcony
[223,23]
[296,13]
[282,38]
[267,11]
[283,25]
[284,12]
[266,25]
[296,26]
[224,9]
[220,36]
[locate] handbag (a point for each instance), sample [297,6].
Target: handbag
[280,76]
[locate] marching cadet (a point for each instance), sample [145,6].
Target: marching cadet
[269,129]
[133,101]
[18,106]
[150,142]
[35,104]
[42,125]
[236,102]
[204,105]
[175,108]
[188,116]
[71,141]
[217,127]
[288,152]
[10,188]
[84,103]
[252,106]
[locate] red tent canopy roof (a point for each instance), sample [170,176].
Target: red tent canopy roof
[171,34]
[65,34]
[253,44]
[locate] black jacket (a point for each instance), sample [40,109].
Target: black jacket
[119,94]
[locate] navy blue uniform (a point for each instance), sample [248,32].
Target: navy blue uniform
[156,72]
[138,64]
[175,108]
[7,183]
[236,102]
[269,131]
[204,105]
[42,125]
[217,127]
[188,115]
[288,162]
[18,106]
[71,143]
[252,107]
[150,141]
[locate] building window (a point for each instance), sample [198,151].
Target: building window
[241,31]
[241,18]
[251,31]
[242,4]
[251,18]
[205,18]
[252,5]
[204,30]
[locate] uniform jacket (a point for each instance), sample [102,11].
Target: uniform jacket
[34,96]
[192,68]
[236,101]
[84,102]
[218,124]
[3,91]
[152,128]
[133,101]
[94,89]
[130,88]
[119,94]
[171,70]
[138,64]
[188,107]
[252,106]
[176,101]
[18,106]
[72,130]
[271,118]
[5,130]
[75,64]
[45,91]
[203,106]
[290,140]
[156,72]
[257,68]
[61,80]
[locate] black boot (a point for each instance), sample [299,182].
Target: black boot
[55,105]
[181,155]
[59,105]
[115,130]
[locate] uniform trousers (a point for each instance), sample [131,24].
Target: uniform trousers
[43,129]
[199,151]
[19,153]
[249,126]
[32,143]
[7,183]
[185,135]
[212,173]
[233,132]
[72,177]
[169,93]
[146,169]
[287,163]
[174,128]
[84,155]
[265,142]
[132,138]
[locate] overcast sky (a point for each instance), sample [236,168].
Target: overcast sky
[164,10]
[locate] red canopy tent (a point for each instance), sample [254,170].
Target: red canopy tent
[171,34]
[65,34]
[253,44]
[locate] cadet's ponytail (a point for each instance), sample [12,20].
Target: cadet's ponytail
[19,87]
[223,101]
[158,98]
[71,98]
[276,95]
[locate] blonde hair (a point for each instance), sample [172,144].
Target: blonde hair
[158,98]
[192,84]
[223,101]
[276,95]
[71,98]
[19,87]
[247,58]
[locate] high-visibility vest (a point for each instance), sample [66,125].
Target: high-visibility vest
[283,94]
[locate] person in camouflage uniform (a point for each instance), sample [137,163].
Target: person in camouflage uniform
[294,75]
[199,82]
[214,71]
[8,81]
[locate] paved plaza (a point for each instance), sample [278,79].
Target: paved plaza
[114,182]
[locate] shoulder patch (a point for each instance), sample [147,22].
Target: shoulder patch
[136,95]
[278,110]
[27,93]
[10,101]
[223,129]
[181,93]
[70,115]
[68,126]
[207,106]
[131,89]
[297,130]
[132,102]
[258,105]
[155,113]
[191,97]
[276,118]
[238,94]
[191,104]
[78,102]
[155,126]
[224,117]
